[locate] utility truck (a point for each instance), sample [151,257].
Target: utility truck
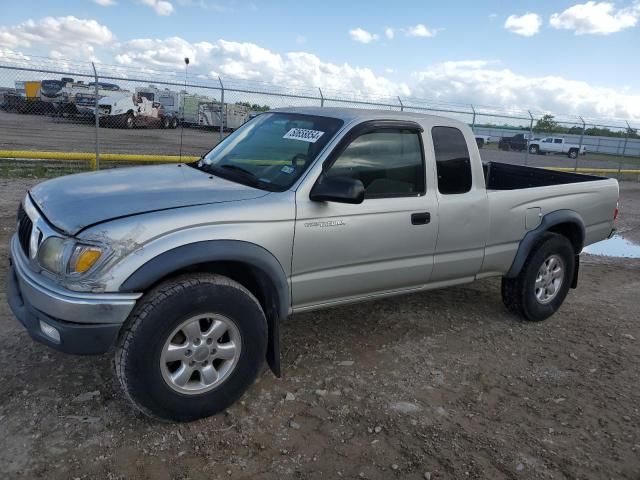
[75,97]
[170,100]
[130,111]
[187,270]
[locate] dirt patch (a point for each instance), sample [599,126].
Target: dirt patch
[444,384]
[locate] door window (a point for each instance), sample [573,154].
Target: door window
[388,162]
[557,140]
[452,160]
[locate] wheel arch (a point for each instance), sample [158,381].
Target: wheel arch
[563,222]
[246,263]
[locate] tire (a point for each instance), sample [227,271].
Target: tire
[166,122]
[129,121]
[522,296]
[480,142]
[534,149]
[174,123]
[573,153]
[141,361]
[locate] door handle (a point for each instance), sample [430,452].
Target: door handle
[420,218]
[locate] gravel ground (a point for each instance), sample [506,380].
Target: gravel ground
[42,133]
[443,384]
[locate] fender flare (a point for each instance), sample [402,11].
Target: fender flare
[531,238]
[223,250]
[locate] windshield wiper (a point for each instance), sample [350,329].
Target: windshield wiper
[238,169]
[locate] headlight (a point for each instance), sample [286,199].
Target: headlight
[65,256]
[51,254]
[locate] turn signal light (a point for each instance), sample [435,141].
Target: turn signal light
[85,259]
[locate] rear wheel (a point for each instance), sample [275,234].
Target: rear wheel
[191,347]
[174,123]
[573,153]
[480,142]
[544,281]
[166,122]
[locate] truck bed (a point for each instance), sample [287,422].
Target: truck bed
[504,176]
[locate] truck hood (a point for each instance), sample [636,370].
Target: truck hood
[75,202]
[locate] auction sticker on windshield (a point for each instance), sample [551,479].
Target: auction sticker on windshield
[311,136]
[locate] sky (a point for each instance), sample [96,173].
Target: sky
[566,56]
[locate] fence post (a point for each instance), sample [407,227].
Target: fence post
[584,127]
[95,164]
[473,121]
[401,104]
[221,108]
[321,97]
[624,148]
[526,157]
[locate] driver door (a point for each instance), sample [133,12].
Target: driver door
[342,251]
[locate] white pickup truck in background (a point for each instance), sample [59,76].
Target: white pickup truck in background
[556,145]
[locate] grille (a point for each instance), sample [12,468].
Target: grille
[25,225]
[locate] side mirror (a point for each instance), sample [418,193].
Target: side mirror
[337,189]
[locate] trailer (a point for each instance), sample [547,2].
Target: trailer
[191,108]
[25,98]
[232,116]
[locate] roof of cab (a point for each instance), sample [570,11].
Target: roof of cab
[349,115]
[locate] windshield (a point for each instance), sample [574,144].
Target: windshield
[51,87]
[272,150]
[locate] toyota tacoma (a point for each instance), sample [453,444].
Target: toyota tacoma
[186,271]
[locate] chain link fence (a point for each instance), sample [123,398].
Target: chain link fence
[49,126]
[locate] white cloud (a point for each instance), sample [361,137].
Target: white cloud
[420,30]
[596,18]
[161,7]
[480,82]
[70,36]
[105,3]
[526,25]
[362,36]
[249,61]
[389,33]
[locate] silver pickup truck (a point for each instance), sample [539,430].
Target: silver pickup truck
[187,270]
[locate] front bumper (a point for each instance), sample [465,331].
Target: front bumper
[87,323]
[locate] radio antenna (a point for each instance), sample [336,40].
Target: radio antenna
[186,64]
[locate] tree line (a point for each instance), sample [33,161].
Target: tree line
[548,124]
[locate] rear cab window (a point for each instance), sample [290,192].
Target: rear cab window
[453,163]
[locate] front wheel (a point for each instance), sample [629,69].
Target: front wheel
[544,281]
[191,347]
[129,121]
[533,149]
